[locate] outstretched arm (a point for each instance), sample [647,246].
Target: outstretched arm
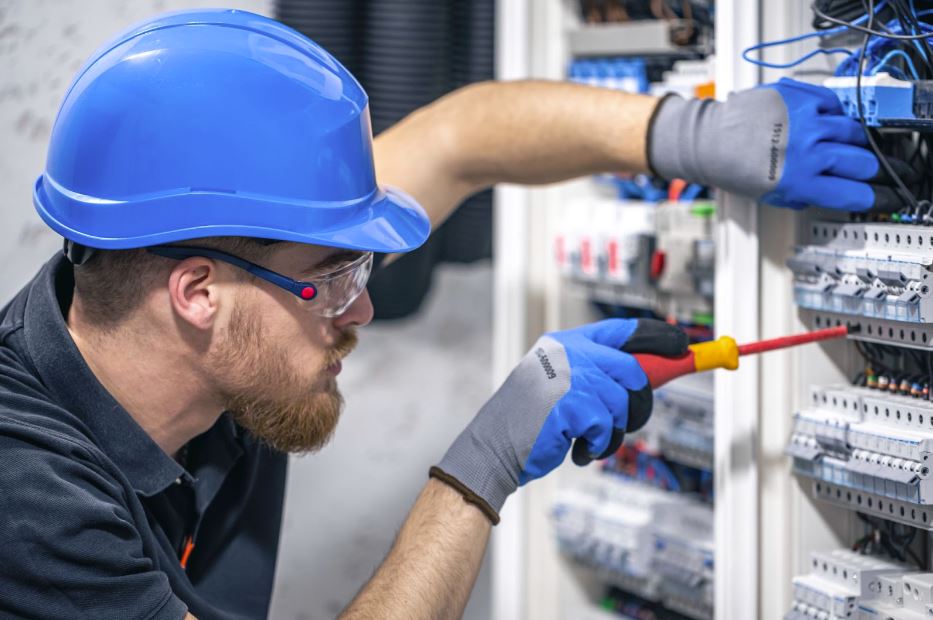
[528,132]
[789,144]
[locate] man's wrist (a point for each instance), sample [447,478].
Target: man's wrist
[468,495]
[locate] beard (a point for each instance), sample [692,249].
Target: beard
[268,397]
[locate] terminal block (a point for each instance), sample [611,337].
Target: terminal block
[903,597]
[886,101]
[868,451]
[875,276]
[840,582]
[655,544]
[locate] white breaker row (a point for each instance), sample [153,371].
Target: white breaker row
[653,543]
[681,427]
[867,451]
[876,276]
[655,256]
[844,585]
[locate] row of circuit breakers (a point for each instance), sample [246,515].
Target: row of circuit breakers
[867,447]
[651,542]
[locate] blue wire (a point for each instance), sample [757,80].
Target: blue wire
[892,54]
[793,63]
[803,37]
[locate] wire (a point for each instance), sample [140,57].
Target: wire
[793,63]
[803,37]
[868,30]
[882,159]
[887,57]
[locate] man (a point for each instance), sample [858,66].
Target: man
[212,173]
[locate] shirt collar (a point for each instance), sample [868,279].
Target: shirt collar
[69,379]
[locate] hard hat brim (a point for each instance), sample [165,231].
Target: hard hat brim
[388,220]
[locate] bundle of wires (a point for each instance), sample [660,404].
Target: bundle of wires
[896,41]
[889,538]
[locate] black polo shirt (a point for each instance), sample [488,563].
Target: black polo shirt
[94,516]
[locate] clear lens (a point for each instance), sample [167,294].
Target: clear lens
[339,289]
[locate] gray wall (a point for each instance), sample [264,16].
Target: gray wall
[410,386]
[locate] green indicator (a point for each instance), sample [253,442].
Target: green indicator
[703,209]
[703,318]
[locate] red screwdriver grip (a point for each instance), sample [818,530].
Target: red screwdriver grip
[660,369]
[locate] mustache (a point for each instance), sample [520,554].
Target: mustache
[347,342]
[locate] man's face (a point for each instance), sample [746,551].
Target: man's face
[277,363]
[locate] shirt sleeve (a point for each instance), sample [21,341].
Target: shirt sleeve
[68,544]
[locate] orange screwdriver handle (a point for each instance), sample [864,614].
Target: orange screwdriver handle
[719,353]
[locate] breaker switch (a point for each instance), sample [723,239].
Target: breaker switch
[658,260]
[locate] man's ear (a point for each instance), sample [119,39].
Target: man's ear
[193,292]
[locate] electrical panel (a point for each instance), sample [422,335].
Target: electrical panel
[842,582]
[820,455]
[874,276]
[638,527]
[861,449]
[654,544]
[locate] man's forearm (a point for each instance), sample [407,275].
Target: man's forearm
[529,132]
[430,571]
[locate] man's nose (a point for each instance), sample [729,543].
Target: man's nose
[359,313]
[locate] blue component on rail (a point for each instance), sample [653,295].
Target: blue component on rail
[887,101]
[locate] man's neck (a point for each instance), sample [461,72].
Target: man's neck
[160,389]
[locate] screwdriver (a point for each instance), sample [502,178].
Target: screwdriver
[720,353]
[724,353]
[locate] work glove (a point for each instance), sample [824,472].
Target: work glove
[788,144]
[581,384]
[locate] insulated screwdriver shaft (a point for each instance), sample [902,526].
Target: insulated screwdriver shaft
[723,353]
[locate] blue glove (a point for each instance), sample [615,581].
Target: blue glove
[788,144]
[579,384]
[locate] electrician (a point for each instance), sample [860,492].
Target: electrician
[212,173]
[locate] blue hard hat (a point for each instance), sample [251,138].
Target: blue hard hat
[219,123]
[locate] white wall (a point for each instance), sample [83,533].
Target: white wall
[410,387]
[42,44]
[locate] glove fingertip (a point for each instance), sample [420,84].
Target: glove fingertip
[640,403]
[658,337]
[618,436]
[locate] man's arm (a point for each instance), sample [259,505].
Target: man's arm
[788,144]
[512,132]
[430,571]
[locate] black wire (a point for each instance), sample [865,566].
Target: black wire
[882,159]
[868,30]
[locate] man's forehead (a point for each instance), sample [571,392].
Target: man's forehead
[307,256]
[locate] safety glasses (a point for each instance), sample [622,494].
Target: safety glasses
[330,294]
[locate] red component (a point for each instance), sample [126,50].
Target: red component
[613,250]
[660,370]
[675,189]
[658,259]
[308,292]
[586,255]
[789,341]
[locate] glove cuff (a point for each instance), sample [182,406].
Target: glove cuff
[669,136]
[477,468]
[650,136]
[468,496]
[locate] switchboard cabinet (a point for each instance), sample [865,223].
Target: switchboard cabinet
[817,462]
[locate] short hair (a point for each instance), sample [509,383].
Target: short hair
[111,284]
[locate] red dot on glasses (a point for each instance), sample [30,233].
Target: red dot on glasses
[308,292]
